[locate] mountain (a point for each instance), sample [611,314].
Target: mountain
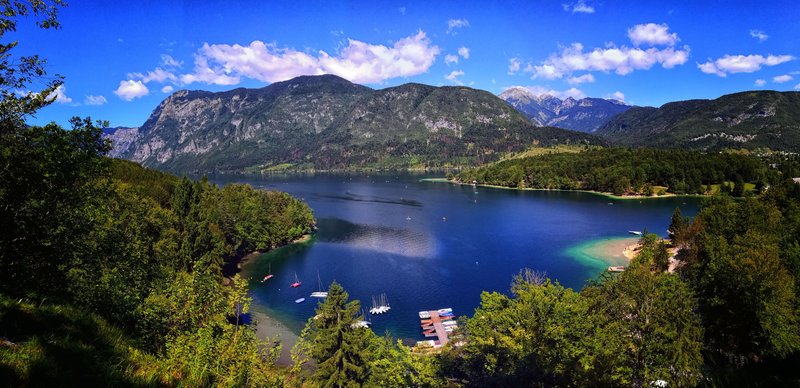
[327,122]
[585,115]
[740,120]
[121,138]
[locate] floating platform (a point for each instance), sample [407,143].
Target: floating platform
[438,323]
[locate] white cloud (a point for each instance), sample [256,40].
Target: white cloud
[167,89]
[361,62]
[782,78]
[797,87]
[760,35]
[454,24]
[619,96]
[60,95]
[169,61]
[514,66]
[760,82]
[730,64]
[652,34]
[621,60]
[130,89]
[159,75]
[94,100]
[463,52]
[580,79]
[453,77]
[450,59]
[537,90]
[578,7]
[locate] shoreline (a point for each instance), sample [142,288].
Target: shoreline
[271,328]
[600,193]
[600,253]
[234,266]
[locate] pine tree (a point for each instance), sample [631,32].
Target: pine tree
[338,347]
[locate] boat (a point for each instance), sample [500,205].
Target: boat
[616,268]
[297,281]
[424,314]
[363,323]
[320,293]
[301,300]
[444,311]
[635,232]
[268,276]
[380,304]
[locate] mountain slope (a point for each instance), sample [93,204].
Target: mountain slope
[741,120]
[585,115]
[326,122]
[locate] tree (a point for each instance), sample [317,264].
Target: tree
[738,186]
[648,330]
[336,344]
[541,335]
[18,73]
[677,225]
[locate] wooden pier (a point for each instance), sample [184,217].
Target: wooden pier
[438,328]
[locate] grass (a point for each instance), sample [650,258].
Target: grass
[557,149]
[57,345]
[748,187]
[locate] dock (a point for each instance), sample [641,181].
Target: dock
[435,323]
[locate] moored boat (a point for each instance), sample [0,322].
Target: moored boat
[297,281]
[301,300]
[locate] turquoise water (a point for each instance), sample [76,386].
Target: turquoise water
[429,245]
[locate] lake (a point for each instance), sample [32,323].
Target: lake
[429,245]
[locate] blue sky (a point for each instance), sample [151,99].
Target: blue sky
[121,59]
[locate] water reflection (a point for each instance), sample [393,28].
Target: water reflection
[384,239]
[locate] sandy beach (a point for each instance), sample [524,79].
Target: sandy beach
[599,254]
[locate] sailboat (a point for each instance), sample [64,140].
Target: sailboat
[320,293]
[269,276]
[380,305]
[364,322]
[297,281]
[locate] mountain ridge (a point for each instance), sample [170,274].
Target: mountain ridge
[327,122]
[585,115]
[749,119]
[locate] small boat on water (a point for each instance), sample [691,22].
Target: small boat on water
[268,276]
[445,311]
[635,232]
[616,268]
[424,314]
[297,282]
[380,304]
[301,300]
[320,293]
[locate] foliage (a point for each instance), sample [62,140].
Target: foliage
[623,171]
[631,329]
[17,73]
[336,344]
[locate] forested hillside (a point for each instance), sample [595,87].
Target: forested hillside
[636,171]
[753,119]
